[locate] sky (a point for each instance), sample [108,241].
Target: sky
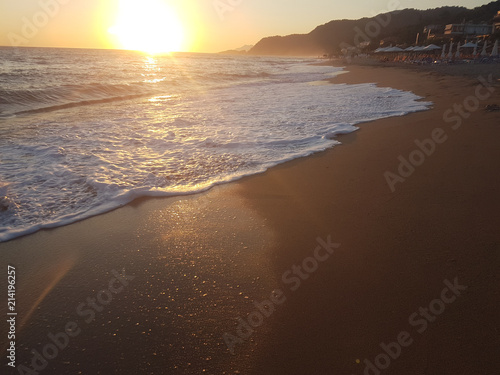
[193,25]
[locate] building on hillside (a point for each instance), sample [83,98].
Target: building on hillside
[496,22]
[433,31]
[467,30]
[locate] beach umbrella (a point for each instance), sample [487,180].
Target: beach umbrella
[494,53]
[394,49]
[457,55]
[443,54]
[432,47]
[469,45]
[450,54]
[483,52]
[409,49]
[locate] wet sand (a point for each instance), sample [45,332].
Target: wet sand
[194,265]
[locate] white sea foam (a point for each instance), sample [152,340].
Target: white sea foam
[232,118]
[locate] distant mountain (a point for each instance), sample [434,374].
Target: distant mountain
[245,48]
[238,51]
[400,27]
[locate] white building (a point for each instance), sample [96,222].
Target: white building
[468,30]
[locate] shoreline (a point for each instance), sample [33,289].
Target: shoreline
[131,196]
[402,245]
[201,261]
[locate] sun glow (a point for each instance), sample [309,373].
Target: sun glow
[148,25]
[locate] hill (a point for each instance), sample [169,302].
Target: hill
[400,27]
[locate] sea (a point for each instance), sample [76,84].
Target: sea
[83,132]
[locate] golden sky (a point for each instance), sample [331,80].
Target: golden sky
[187,25]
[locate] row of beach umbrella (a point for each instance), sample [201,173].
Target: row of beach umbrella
[484,53]
[450,54]
[432,47]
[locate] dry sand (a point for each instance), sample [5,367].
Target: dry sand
[201,262]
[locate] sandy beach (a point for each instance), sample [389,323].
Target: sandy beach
[377,256]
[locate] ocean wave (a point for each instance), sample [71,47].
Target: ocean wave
[15,102]
[68,166]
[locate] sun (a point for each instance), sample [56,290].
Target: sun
[149,25]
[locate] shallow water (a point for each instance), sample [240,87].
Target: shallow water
[86,131]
